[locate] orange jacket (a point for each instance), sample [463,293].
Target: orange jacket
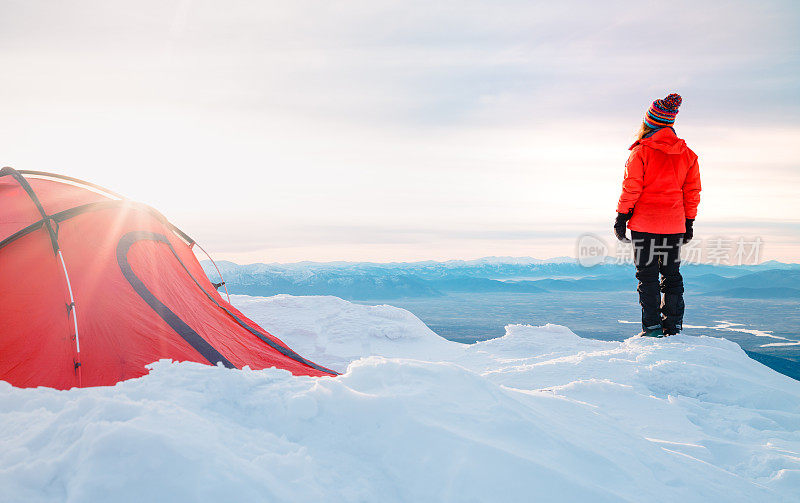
[661,185]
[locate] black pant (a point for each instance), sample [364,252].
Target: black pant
[656,254]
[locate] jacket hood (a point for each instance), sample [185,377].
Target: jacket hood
[663,139]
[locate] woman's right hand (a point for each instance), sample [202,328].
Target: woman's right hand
[689,234]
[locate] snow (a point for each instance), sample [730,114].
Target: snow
[537,415]
[331,330]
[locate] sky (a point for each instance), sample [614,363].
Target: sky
[395,131]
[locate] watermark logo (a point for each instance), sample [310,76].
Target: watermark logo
[591,250]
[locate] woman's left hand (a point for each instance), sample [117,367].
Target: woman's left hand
[620,226]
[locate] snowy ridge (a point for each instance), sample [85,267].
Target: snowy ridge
[537,415]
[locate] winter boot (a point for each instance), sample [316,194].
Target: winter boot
[654,331]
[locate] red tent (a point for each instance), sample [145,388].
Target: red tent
[93,287]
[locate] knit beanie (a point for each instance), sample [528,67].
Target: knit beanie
[662,112]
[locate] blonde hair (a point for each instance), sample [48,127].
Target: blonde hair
[644,129]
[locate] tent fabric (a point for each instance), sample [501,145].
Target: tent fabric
[124,277]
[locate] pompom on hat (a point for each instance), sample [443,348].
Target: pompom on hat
[662,112]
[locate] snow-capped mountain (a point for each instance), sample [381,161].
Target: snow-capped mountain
[368,280]
[537,415]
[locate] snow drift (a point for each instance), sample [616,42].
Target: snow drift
[537,415]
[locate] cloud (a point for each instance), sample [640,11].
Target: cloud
[445,117]
[413,62]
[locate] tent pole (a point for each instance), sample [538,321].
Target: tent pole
[73,311]
[218,271]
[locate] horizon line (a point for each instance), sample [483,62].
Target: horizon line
[496,259]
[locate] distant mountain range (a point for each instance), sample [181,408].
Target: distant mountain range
[368,280]
[759,293]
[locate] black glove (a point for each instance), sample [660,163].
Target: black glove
[689,234]
[620,226]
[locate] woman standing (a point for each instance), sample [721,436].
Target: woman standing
[660,194]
